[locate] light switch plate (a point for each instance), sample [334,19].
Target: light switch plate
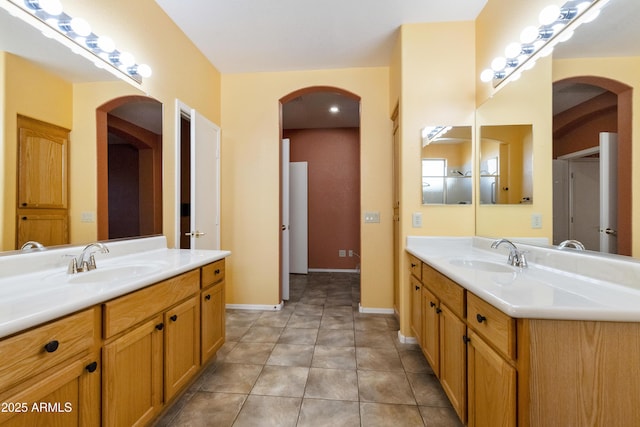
[87,217]
[371,217]
[416,220]
[536,220]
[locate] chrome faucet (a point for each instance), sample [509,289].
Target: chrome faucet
[516,256]
[81,263]
[31,245]
[568,243]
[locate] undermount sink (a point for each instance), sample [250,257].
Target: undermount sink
[107,274]
[481,265]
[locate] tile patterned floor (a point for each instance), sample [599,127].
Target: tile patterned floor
[317,362]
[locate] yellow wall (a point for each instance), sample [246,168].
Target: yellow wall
[35,93]
[436,72]
[627,71]
[250,179]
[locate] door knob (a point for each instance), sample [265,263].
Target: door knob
[195,234]
[284,227]
[610,231]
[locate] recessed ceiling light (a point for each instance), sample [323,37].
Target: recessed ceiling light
[334,109]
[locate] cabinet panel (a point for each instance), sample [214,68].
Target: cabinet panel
[416,309]
[132,376]
[39,349]
[453,358]
[213,320]
[492,387]
[213,273]
[431,329]
[448,291]
[48,227]
[127,311]
[495,326]
[42,164]
[68,396]
[415,265]
[181,346]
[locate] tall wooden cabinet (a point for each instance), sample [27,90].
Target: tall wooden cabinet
[42,183]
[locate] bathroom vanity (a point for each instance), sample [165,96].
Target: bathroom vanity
[113,346]
[552,344]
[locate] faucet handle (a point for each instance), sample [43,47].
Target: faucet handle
[520,259]
[73,266]
[92,263]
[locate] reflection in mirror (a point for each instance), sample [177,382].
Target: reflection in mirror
[506,163]
[446,165]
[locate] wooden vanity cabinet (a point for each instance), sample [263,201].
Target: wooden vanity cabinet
[50,375]
[415,267]
[444,328]
[151,348]
[212,308]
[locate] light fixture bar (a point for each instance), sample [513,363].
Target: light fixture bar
[557,24]
[75,33]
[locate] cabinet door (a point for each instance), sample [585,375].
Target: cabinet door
[42,164]
[213,320]
[68,396]
[431,329]
[453,360]
[132,376]
[416,309]
[48,227]
[492,386]
[182,346]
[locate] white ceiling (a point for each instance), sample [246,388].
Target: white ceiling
[240,36]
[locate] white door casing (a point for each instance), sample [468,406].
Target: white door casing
[284,227]
[608,192]
[298,218]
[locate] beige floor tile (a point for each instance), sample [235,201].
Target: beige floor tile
[385,387]
[269,411]
[440,417]
[285,381]
[385,415]
[415,362]
[298,336]
[231,378]
[291,355]
[251,353]
[336,337]
[262,334]
[427,390]
[334,357]
[304,321]
[378,359]
[329,413]
[334,384]
[374,339]
[209,409]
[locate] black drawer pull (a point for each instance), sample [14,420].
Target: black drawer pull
[52,346]
[174,317]
[91,367]
[160,326]
[432,304]
[417,288]
[466,339]
[413,265]
[217,271]
[207,297]
[480,318]
[438,310]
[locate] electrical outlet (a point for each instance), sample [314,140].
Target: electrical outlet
[342,253]
[87,217]
[350,253]
[536,220]
[372,217]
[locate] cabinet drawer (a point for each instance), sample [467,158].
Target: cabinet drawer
[129,310]
[492,324]
[415,265]
[212,273]
[450,293]
[39,349]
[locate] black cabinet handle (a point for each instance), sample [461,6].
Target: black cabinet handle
[417,288]
[207,297]
[23,204]
[466,339]
[52,346]
[160,326]
[480,318]
[432,304]
[24,218]
[217,271]
[174,317]
[438,310]
[91,367]
[413,265]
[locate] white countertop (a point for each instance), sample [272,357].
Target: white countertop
[35,288]
[558,284]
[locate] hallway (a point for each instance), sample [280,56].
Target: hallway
[317,362]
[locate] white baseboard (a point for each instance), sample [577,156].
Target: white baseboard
[333,270]
[406,340]
[276,307]
[362,309]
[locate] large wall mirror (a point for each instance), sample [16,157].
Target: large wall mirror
[26,56]
[446,165]
[506,164]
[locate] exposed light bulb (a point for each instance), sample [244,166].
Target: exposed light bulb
[127,59]
[106,44]
[498,63]
[513,50]
[487,75]
[549,15]
[529,34]
[52,7]
[80,27]
[144,70]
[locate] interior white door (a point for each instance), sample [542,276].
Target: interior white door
[205,183]
[298,218]
[608,192]
[584,201]
[284,228]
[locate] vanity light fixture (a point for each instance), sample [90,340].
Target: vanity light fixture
[431,133]
[75,33]
[556,24]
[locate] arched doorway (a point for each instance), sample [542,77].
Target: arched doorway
[323,126]
[593,105]
[129,169]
